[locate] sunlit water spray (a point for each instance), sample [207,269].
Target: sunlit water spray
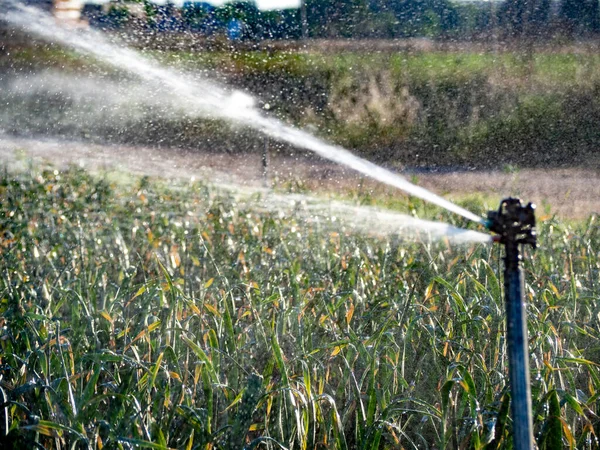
[308,212]
[335,215]
[209,99]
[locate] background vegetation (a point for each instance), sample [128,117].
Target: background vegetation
[522,92]
[359,19]
[408,105]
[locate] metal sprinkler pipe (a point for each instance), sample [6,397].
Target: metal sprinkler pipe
[515,225]
[265,162]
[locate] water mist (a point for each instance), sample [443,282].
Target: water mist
[208,99]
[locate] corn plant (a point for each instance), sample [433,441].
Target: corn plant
[141,315]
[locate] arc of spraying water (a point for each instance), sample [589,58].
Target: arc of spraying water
[366,219]
[211,100]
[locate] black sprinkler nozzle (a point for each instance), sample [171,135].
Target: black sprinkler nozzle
[513,222]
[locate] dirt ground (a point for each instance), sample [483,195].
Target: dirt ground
[568,193]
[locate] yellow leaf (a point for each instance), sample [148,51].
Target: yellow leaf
[212,309]
[137,294]
[567,432]
[208,283]
[197,373]
[123,333]
[235,401]
[194,308]
[428,292]
[46,431]
[106,316]
[153,326]
[190,443]
[269,405]
[143,333]
[174,256]
[350,313]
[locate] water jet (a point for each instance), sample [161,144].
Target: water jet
[208,99]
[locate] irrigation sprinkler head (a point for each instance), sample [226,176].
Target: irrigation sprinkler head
[513,222]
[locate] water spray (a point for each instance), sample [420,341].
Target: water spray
[209,99]
[515,225]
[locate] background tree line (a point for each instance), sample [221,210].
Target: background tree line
[385,19]
[448,19]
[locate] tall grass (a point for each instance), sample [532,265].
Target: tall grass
[141,315]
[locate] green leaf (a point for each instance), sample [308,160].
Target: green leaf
[280,361]
[573,403]
[202,356]
[90,389]
[501,422]
[144,444]
[46,427]
[553,436]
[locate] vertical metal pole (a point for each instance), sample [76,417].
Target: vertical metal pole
[304,20]
[515,225]
[265,162]
[518,351]
[494,20]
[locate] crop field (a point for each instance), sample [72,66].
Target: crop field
[153,296]
[154,315]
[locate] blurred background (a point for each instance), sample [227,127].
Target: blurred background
[406,83]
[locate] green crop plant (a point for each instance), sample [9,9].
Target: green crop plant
[146,315]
